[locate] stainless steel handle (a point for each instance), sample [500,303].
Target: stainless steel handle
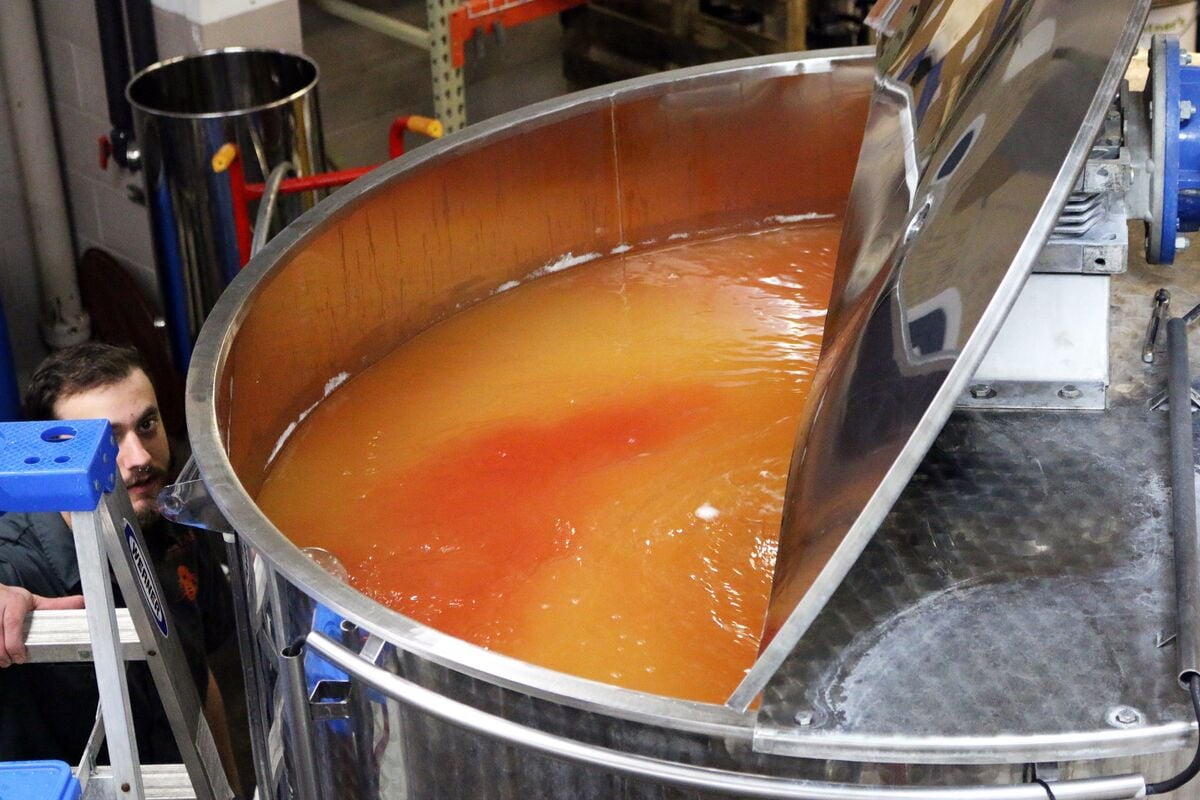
[735,784]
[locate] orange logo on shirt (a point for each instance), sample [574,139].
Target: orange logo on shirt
[187,582]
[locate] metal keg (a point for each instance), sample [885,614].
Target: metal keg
[187,108]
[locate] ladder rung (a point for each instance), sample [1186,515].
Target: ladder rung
[62,636]
[161,782]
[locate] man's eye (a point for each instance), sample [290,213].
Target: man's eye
[148,425]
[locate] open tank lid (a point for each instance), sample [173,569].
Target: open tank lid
[983,115]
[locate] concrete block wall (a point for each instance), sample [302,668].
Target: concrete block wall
[103,213]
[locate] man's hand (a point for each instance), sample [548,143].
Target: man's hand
[15,605]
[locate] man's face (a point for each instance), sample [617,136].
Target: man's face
[144,453]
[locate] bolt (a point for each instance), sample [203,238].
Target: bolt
[804,718]
[1187,110]
[981,391]
[1185,59]
[1070,392]
[125,787]
[1182,242]
[1123,716]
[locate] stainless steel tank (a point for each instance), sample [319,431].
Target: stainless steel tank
[379,705]
[185,109]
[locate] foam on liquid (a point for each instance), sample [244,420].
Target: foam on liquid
[585,472]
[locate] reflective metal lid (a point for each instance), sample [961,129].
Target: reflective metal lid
[983,114]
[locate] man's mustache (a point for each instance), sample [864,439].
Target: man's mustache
[147,476]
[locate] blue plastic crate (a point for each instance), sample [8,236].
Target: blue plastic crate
[37,780]
[64,465]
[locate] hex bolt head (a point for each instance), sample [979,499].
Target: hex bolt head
[1182,242]
[981,391]
[1123,717]
[804,718]
[1070,392]
[1185,59]
[1187,110]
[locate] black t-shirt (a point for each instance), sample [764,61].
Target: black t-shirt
[47,710]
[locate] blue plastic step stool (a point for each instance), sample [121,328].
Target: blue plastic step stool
[37,780]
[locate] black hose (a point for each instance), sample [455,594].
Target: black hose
[143,46]
[1192,769]
[110,20]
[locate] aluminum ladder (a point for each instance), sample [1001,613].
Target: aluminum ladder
[70,466]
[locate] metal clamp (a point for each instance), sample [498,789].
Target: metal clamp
[737,784]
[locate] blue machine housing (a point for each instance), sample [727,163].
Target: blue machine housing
[1177,154]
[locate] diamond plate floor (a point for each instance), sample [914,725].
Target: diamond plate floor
[1023,584]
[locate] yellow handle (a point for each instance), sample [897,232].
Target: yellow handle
[223,157]
[425,125]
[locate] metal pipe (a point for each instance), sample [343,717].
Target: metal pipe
[308,183]
[114,57]
[63,320]
[362,719]
[171,274]
[1183,501]
[266,207]
[295,709]
[257,702]
[380,23]
[736,784]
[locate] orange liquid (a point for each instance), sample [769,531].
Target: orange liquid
[585,472]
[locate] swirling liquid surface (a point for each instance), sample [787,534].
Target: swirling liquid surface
[584,472]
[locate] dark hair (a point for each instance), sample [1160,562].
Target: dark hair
[76,369]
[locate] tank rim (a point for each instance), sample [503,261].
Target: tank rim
[168,63]
[212,349]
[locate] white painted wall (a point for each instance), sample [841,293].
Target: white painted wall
[206,12]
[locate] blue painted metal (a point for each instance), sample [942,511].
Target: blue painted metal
[220,196]
[62,465]
[1170,206]
[170,273]
[37,780]
[1181,149]
[10,400]
[1189,148]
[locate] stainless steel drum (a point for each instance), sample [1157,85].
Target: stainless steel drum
[185,109]
[380,706]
